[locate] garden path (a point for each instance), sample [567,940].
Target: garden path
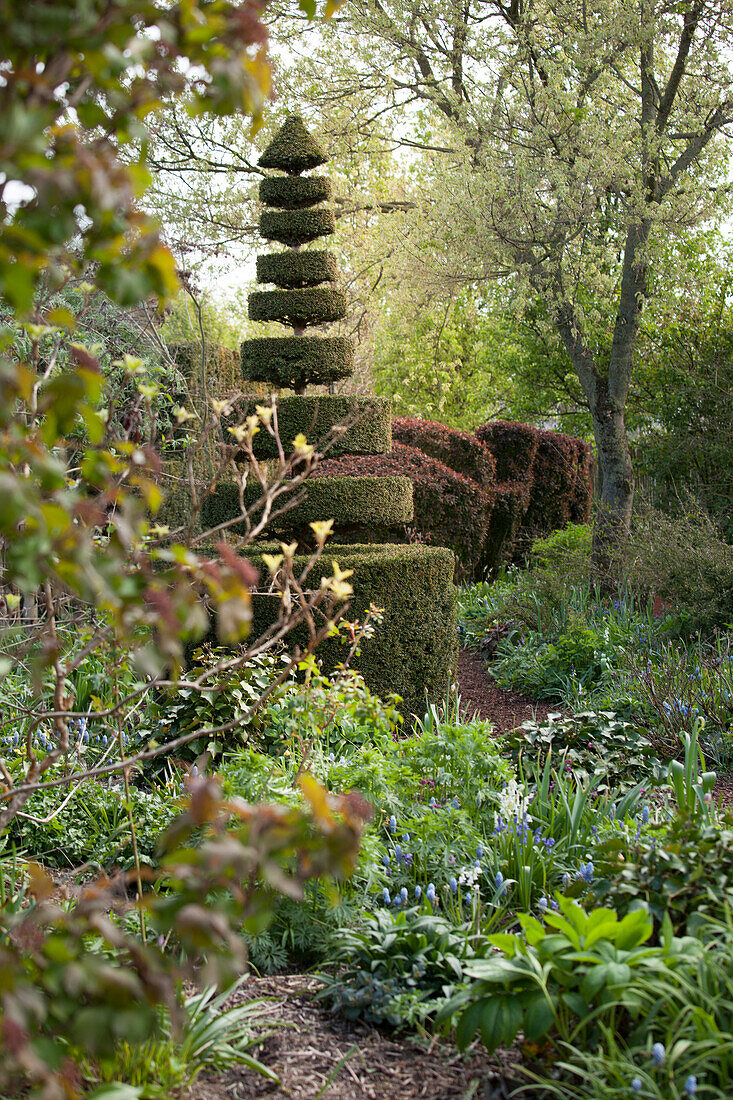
[319,1056]
[480,695]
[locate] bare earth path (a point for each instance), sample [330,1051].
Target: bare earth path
[318,1056]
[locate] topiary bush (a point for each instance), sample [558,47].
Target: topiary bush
[314,416]
[376,503]
[293,361]
[292,227]
[450,510]
[296,269]
[513,446]
[561,485]
[460,451]
[296,192]
[313,305]
[414,650]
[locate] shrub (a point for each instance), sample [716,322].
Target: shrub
[293,149]
[292,227]
[685,561]
[511,500]
[365,503]
[513,446]
[561,486]
[295,193]
[413,652]
[313,305]
[450,510]
[315,415]
[460,451]
[295,269]
[293,361]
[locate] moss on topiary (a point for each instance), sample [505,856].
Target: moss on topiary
[314,416]
[376,502]
[293,361]
[414,649]
[293,227]
[295,193]
[312,306]
[295,269]
[293,149]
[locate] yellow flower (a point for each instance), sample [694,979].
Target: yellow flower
[337,584]
[273,562]
[301,447]
[321,528]
[265,413]
[289,549]
[221,408]
[182,415]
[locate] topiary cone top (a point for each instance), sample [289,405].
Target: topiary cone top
[293,149]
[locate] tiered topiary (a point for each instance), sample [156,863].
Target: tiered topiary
[413,652]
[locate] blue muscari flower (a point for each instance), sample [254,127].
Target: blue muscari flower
[479,851]
[553,904]
[105,740]
[403,893]
[636,1084]
[498,880]
[385,859]
[691,1085]
[456,803]
[406,838]
[549,843]
[542,904]
[659,1054]
[477,863]
[453,884]
[385,896]
[430,892]
[586,871]
[393,824]
[467,898]
[418,892]
[397,852]
[645,815]
[500,826]
[332,757]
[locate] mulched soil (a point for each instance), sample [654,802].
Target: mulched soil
[480,695]
[318,1055]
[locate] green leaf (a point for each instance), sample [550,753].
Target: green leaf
[115,1090]
[538,1016]
[467,1024]
[490,1023]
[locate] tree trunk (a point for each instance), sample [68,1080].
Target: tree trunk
[613,518]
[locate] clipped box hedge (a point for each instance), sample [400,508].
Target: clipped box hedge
[314,416]
[450,510]
[293,149]
[414,650]
[314,305]
[513,445]
[375,502]
[296,269]
[293,227]
[293,361]
[296,192]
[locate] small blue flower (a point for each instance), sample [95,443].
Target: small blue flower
[691,1085]
[636,1084]
[542,904]
[403,893]
[645,815]
[456,803]
[418,892]
[430,892]
[406,838]
[385,859]
[498,880]
[467,898]
[659,1054]
[397,852]
[385,896]
[553,904]
[453,884]
[480,851]
[393,824]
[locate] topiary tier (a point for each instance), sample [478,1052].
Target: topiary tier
[414,650]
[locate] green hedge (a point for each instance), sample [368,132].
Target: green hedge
[315,305]
[293,227]
[293,149]
[222,375]
[314,416]
[293,361]
[295,269]
[414,649]
[295,192]
[376,502]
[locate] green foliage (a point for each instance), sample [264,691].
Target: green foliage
[293,194]
[600,748]
[315,416]
[293,149]
[414,651]
[296,269]
[293,361]
[399,968]
[364,503]
[295,227]
[313,305]
[560,978]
